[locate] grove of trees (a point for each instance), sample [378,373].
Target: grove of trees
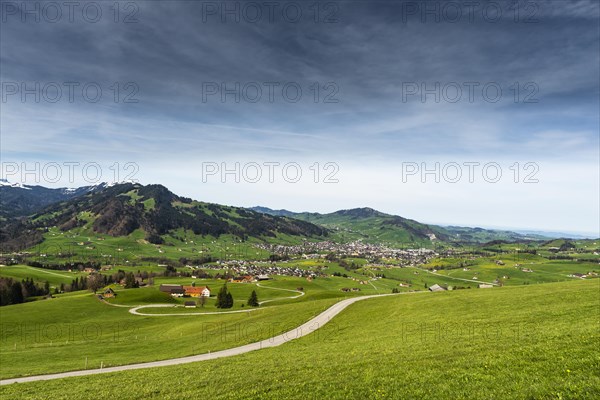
[224,298]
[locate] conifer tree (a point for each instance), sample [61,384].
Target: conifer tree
[253,300]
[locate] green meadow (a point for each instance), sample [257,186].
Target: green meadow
[526,342]
[76,329]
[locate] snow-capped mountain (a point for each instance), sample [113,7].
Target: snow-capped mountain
[6,183]
[18,200]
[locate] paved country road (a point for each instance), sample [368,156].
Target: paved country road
[303,330]
[135,310]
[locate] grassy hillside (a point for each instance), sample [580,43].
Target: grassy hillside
[536,342]
[62,333]
[125,209]
[373,226]
[58,334]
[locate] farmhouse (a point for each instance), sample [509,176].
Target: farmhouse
[108,293]
[197,291]
[173,290]
[436,288]
[242,279]
[167,288]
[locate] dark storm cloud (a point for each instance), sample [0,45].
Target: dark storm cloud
[370,53]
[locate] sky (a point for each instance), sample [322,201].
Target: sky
[478,113]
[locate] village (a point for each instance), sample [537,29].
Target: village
[312,250]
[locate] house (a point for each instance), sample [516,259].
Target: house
[108,293]
[189,304]
[485,286]
[197,291]
[173,290]
[263,277]
[436,288]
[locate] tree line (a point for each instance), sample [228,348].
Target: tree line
[15,292]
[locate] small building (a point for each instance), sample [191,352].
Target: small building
[263,277]
[436,288]
[169,288]
[189,304]
[197,291]
[108,293]
[485,286]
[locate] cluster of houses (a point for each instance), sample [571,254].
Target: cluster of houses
[583,276]
[185,291]
[244,270]
[353,249]
[438,288]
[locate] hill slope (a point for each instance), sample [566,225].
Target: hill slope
[461,344]
[121,209]
[18,200]
[374,226]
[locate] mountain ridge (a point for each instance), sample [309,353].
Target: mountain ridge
[121,209]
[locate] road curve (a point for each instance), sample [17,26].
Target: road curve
[280,298]
[303,330]
[135,311]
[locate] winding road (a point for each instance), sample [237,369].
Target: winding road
[303,330]
[452,277]
[135,310]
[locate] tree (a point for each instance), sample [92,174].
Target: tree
[201,301]
[130,281]
[229,302]
[16,293]
[224,298]
[95,282]
[253,300]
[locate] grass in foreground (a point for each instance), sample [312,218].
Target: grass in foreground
[536,342]
[66,333]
